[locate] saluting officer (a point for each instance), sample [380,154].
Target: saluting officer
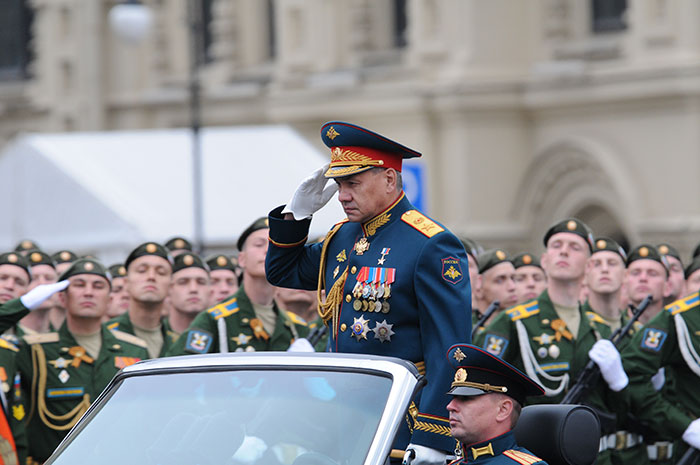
[148,273]
[248,320]
[64,371]
[487,397]
[396,281]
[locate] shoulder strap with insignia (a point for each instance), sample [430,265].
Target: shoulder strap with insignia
[422,223]
[684,304]
[520,312]
[522,458]
[113,326]
[41,338]
[130,338]
[296,319]
[5,344]
[593,316]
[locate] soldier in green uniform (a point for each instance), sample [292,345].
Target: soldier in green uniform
[549,337]
[496,283]
[670,341]
[25,245]
[148,273]
[249,320]
[118,296]
[530,279]
[473,250]
[178,245]
[64,371]
[676,277]
[43,271]
[692,276]
[63,259]
[190,291]
[224,280]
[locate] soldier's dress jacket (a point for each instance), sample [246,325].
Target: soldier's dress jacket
[10,313]
[672,340]
[13,409]
[533,338]
[67,380]
[244,331]
[501,450]
[123,323]
[401,286]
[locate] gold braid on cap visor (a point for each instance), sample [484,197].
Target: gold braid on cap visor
[345,157]
[483,387]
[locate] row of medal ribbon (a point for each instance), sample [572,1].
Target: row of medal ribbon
[373,289]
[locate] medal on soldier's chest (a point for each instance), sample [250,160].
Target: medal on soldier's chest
[361,246]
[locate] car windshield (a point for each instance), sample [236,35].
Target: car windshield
[234,417]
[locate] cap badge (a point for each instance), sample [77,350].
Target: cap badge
[643,252]
[332,133]
[36,257]
[571,225]
[122,271]
[221,260]
[89,266]
[663,249]
[601,244]
[501,255]
[459,355]
[460,376]
[527,259]
[65,256]
[12,258]
[27,244]
[188,260]
[151,248]
[179,243]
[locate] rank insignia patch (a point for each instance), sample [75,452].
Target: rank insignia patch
[18,412]
[451,270]
[653,339]
[123,362]
[495,345]
[198,341]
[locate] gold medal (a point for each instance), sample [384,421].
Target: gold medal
[361,246]
[365,305]
[357,305]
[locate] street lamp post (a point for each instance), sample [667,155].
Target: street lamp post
[131,21]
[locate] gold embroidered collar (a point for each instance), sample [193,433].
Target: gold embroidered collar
[370,227]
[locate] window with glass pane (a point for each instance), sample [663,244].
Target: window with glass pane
[231,417]
[15,30]
[608,15]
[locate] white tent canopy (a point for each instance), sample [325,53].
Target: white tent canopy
[106,192]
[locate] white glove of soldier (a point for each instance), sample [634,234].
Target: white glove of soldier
[692,434]
[251,450]
[311,195]
[425,456]
[605,355]
[301,345]
[659,379]
[39,294]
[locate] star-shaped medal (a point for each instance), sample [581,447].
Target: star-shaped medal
[360,328]
[242,339]
[543,339]
[60,362]
[383,332]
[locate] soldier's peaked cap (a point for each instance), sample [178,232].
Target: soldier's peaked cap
[355,149]
[574,226]
[478,372]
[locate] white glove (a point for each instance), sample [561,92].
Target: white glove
[605,355]
[39,294]
[692,434]
[311,195]
[425,456]
[251,450]
[659,379]
[301,345]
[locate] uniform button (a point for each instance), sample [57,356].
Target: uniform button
[343,327]
[353,270]
[348,298]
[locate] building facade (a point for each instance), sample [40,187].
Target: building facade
[526,112]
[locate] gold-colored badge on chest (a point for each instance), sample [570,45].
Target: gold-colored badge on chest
[361,246]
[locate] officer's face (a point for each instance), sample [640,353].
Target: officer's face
[646,277]
[676,277]
[565,257]
[530,281]
[223,284]
[44,274]
[190,290]
[605,272]
[478,418]
[365,195]
[497,283]
[693,283]
[13,282]
[148,279]
[252,257]
[87,296]
[118,298]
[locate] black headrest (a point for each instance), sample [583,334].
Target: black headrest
[559,434]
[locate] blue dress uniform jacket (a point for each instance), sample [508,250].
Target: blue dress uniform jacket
[501,450]
[396,285]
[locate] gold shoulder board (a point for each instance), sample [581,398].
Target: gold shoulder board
[521,457]
[296,319]
[422,223]
[41,338]
[130,338]
[593,316]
